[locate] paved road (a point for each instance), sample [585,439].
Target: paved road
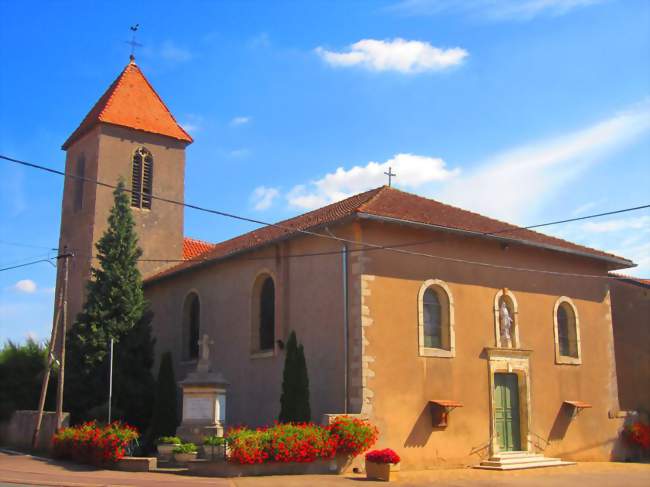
[24,470]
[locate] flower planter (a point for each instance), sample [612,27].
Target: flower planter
[382,471]
[214,453]
[165,451]
[184,458]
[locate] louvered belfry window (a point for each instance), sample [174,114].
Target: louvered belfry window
[142,179]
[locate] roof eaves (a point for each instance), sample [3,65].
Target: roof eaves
[624,263]
[165,274]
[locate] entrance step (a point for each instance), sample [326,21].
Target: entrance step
[517,460]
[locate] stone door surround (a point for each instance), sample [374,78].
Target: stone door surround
[510,361]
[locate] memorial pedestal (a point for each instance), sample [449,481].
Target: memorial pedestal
[204,401]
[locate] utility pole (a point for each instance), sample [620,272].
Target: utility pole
[64,324]
[110,384]
[52,347]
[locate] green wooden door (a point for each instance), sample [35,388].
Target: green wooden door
[506,411]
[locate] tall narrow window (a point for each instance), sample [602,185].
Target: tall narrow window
[436,336]
[191,327]
[432,319]
[267,314]
[142,179]
[79,183]
[567,332]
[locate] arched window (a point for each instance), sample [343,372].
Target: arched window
[567,332]
[506,320]
[267,315]
[191,327]
[142,179]
[263,314]
[432,319]
[436,320]
[79,183]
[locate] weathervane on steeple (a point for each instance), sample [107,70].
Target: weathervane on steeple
[132,42]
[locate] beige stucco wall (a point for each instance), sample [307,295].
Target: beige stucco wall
[108,151]
[389,381]
[308,300]
[402,382]
[631,316]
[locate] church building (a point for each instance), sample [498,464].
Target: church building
[459,336]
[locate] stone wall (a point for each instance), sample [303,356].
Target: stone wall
[17,432]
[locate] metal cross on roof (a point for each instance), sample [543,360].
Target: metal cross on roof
[132,42]
[390,175]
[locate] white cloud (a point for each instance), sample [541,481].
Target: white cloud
[260,41]
[174,53]
[513,184]
[239,153]
[25,286]
[395,55]
[263,197]
[494,10]
[584,208]
[235,122]
[192,123]
[616,225]
[412,171]
[32,335]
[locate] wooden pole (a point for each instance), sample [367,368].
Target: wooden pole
[48,368]
[64,325]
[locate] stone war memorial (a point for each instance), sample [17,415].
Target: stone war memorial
[204,399]
[482,344]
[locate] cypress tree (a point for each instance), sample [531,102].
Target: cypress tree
[165,412]
[294,401]
[115,307]
[303,409]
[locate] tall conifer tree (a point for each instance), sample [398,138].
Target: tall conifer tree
[115,308]
[165,410]
[294,402]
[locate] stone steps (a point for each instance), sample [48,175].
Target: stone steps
[518,460]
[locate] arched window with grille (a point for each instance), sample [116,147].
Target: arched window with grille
[142,179]
[436,320]
[567,332]
[263,314]
[191,326]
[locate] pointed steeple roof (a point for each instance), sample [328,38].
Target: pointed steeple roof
[131,102]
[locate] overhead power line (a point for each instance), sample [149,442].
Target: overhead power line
[26,264]
[370,246]
[557,222]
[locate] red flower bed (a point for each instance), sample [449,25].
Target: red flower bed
[92,443]
[304,442]
[638,434]
[382,456]
[353,436]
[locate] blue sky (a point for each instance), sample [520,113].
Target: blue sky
[529,111]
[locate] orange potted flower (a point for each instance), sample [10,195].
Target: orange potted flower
[382,465]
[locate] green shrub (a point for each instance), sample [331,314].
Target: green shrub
[185,448]
[21,372]
[169,440]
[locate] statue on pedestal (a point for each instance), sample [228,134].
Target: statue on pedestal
[505,322]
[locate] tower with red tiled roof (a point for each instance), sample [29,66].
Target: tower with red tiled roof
[129,134]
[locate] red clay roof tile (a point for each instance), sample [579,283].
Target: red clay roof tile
[131,102]
[389,203]
[192,248]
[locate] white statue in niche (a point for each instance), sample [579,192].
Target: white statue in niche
[505,320]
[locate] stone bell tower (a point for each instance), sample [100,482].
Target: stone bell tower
[128,134]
